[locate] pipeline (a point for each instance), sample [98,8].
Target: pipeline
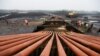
[26,44]
[46,51]
[76,50]
[91,45]
[83,48]
[17,42]
[61,51]
[17,48]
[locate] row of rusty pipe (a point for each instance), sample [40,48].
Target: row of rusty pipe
[87,47]
[14,48]
[89,44]
[25,44]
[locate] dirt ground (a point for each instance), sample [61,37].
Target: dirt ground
[17,26]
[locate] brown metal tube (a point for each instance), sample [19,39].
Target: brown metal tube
[17,43]
[7,38]
[87,43]
[31,48]
[85,38]
[14,40]
[17,39]
[46,51]
[10,37]
[83,48]
[61,51]
[13,50]
[76,50]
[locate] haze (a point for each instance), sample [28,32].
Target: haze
[86,5]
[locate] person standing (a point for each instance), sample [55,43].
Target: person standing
[26,21]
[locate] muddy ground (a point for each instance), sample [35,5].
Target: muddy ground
[15,26]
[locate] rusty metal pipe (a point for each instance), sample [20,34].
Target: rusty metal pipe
[11,36]
[31,48]
[87,43]
[85,38]
[18,39]
[47,49]
[17,43]
[88,39]
[61,51]
[76,50]
[5,38]
[83,48]
[13,50]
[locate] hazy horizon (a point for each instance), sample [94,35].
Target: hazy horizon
[80,5]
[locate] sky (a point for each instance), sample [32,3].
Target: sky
[86,5]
